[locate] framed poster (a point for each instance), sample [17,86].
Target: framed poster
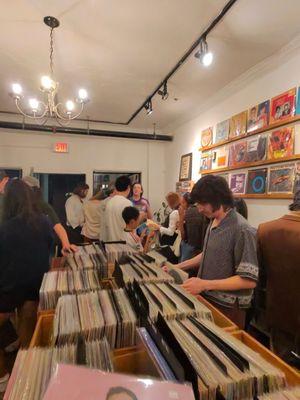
[185,172]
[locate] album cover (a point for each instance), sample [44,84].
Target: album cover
[237,182]
[281,179]
[222,131]
[283,106]
[256,183]
[207,137]
[256,148]
[206,161]
[238,125]
[281,143]
[258,116]
[220,157]
[237,153]
[297,177]
[298,102]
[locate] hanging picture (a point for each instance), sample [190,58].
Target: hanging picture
[281,143]
[256,148]
[258,116]
[238,125]
[207,137]
[237,153]
[222,131]
[206,161]
[256,183]
[281,179]
[237,182]
[283,106]
[185,172]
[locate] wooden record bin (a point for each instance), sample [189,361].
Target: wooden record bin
[292,376]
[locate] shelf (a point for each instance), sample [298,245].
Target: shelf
[265,196]
[256,132]
[253,164]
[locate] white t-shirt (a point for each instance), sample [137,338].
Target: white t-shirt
[132,240]
[113,217]
[92,216]
[74,211]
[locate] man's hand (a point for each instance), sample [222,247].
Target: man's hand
[69,249]
[195,285]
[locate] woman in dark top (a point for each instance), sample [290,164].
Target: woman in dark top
[25,242]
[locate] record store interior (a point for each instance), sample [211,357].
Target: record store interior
[150,200]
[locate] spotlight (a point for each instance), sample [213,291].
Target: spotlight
[206,57]
[164,93]
[148,107]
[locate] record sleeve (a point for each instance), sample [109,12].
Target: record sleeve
[298,102]
[238,125]
[206,161]
[207,137]
[258,116]
[237,153]
[256,183]
[222,131]
[297,177]
[256,148]
[281,179]
[281,143]
[220,157]
[237,182]
[283,106]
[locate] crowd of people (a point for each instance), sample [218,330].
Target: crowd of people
[206,233]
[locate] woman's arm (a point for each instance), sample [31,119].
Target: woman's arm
[67,248]
[170,230]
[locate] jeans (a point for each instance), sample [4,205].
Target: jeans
[187,251]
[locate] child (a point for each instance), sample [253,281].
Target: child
[131,216]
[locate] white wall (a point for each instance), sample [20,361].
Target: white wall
[273,76]
[86,153]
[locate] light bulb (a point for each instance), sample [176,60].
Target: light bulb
[16,88]
[34,104]
[46,82]
[70,105]
[207,59]
[82,94]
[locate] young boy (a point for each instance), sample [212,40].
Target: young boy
[131,216]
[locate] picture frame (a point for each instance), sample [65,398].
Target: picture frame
[185,172]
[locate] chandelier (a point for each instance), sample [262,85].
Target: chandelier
[50,108]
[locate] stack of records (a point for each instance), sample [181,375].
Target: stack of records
[34,367]
[58,283]
[116,251]
[291,394]
[93,315]
[168,299]
[140,268]
[224,365]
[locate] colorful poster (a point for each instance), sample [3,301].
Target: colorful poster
[281,143]
[281,179]
[207,137]
[257,179]
[222,131]
[258,116]
[237,153]
[206,161]
[256,148]
[237,182]
[283,106]
[238,125]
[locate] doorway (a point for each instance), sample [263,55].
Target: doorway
[56,188]
[102,180]
[13,172]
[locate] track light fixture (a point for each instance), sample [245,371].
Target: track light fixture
[148,107]
[164,93]
[205,56]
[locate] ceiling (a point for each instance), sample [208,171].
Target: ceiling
[120,50]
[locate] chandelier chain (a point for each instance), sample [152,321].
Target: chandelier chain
[51,51]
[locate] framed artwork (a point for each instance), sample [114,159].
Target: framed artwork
[207,137]
[283,106]
[238,125]
[281,179]
[257,179]
[237,182]
[222,131]
[281,143]
[258,116]
[185,172]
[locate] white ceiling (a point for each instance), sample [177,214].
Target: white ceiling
[119,50]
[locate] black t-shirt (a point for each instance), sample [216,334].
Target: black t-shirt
[24,254]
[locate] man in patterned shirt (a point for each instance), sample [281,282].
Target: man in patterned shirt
[228,269]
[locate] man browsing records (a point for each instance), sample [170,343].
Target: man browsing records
[228,266]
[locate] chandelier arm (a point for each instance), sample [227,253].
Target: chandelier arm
[63,117]
[62,122]
[28,115]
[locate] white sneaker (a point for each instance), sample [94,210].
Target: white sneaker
[3,383]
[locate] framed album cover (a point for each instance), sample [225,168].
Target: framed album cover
[258,116]
[237,182]
[281,179]
[185,172]
[207,137]
[281,143]
[257,179]
[283,106]
[238,125]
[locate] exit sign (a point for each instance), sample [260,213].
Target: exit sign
[61,147]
